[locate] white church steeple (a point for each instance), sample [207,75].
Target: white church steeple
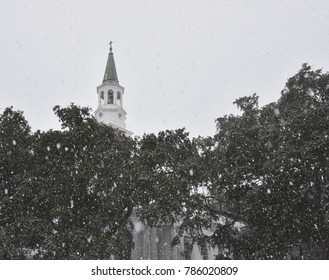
[110,98]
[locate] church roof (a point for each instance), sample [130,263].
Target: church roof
[110,71]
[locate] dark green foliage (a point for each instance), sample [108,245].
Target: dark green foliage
[271,168]
[167,174]
[258,189]
[75,201]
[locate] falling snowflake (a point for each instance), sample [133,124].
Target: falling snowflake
[276,112]
[222,220]
[310,91]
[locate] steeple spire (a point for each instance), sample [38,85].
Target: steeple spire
[110,71]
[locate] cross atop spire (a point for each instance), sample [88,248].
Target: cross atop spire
[111,46]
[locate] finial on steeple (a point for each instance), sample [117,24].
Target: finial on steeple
[111,46]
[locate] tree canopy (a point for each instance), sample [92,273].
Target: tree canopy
[257,189]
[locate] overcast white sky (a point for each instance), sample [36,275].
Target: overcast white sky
[182,62]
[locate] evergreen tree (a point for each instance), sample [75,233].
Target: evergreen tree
[15,164]
[271,170]
[167,176]
[75,202]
